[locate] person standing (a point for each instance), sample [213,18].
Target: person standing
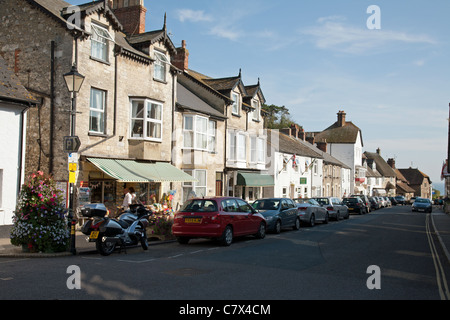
[127,200]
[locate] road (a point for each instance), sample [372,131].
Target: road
[325,262]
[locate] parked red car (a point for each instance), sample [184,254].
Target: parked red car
[221,218]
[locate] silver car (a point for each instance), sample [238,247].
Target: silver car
[336,209]
[310,211]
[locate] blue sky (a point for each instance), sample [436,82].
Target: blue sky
[319,57]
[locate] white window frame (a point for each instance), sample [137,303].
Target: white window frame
[147,120]
[236,103]
[100,38]
[256,113]
[198,188]
[160,69]
[241,146]
[99,111]
[196,137]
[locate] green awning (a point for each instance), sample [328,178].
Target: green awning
[141,172]
[254,180]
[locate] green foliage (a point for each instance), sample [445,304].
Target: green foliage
[278,117]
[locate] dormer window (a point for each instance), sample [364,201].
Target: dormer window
[236,104]
[160,66]
[100,42]
[256,113]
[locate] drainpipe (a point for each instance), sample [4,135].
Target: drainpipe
[52,107]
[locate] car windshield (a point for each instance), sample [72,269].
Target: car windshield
[422,201]
[266,204]
[322,201]
[199,205]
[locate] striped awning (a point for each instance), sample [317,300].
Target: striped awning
[254,179]
[141,172]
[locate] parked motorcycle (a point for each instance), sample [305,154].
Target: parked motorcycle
[128,230]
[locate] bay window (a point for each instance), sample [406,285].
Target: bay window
[199,133]
[146,119]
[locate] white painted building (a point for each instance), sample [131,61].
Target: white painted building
[296,168]
[14,102]
[345,143]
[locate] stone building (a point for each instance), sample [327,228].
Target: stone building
[239,164]
[124,110]
[15,101]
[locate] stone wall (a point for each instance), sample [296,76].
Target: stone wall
[26,36]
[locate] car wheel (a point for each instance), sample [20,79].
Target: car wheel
[183,240]
[261,234]
[297,224]
[312,221]
[278,227]
[227,236]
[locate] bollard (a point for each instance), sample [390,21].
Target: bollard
[72,237]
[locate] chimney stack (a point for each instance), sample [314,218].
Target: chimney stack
[341,118]
[131,15]
[322,145]
[181,59]
[391,162]
[379,151]
[301,134]
[286,131]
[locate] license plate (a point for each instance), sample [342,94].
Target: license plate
[193,220]
[421,210]
[351,209]
[94,235]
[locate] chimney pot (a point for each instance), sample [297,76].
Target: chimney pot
[341,118]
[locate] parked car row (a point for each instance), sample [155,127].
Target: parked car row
[224,218]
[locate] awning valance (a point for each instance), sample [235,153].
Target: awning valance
[141,172]
[254,180]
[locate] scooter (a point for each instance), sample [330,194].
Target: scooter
[128,230]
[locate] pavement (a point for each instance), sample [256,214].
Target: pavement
[440,222]
[81,245]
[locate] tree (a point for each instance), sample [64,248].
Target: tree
[278,117]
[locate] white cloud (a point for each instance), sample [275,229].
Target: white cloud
[193,15]
[333,34]
[223,31]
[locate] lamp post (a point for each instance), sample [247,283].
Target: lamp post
[73,80]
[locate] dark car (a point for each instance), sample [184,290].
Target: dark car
[374,203]
[279,213]
[365,200]
[221,218]
[422,205]
[355,204]
[400,200]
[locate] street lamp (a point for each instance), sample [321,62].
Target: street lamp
[73,80]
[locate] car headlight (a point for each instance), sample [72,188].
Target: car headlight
[270,218]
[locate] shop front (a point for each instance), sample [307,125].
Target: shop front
[249,186]
[153,183]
